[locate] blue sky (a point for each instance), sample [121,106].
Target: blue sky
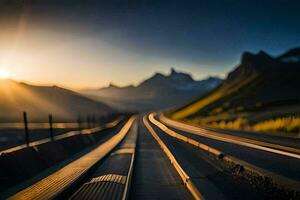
[91,43]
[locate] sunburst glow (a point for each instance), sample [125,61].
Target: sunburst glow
[4,73]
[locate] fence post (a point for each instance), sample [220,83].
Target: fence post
[88,122]
[93,121]
[100,120]
[26,128]
[51,126]
[79,124]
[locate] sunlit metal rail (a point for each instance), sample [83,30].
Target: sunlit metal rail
[264,146]
[111,180]
[53,185]
[184,176]
[279,180]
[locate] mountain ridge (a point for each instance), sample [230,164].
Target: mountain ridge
[156,92]
[39,101]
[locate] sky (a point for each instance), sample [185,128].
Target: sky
[89,43]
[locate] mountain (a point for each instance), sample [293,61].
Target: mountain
[40,101]
[291,56]
[158,92]
[261,87]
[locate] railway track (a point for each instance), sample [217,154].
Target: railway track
[150,159]
[263,177]
[57,183]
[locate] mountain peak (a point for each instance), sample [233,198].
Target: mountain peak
[257,62]
[253,59]
[180,76]
[252,63]
[173,71]
[158,75]
[111,85]
[263,53]
[291,56]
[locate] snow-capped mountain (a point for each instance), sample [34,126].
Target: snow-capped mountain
[157,92]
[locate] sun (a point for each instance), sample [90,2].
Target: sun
[4,73]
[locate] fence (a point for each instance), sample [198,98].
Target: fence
[87,122]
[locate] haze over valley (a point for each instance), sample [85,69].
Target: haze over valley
[157,92]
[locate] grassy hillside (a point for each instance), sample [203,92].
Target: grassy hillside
[262,93]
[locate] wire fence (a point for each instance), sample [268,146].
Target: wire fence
[13,134]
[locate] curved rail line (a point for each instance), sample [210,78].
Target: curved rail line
[265,146]
[184,176]
[282,181]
